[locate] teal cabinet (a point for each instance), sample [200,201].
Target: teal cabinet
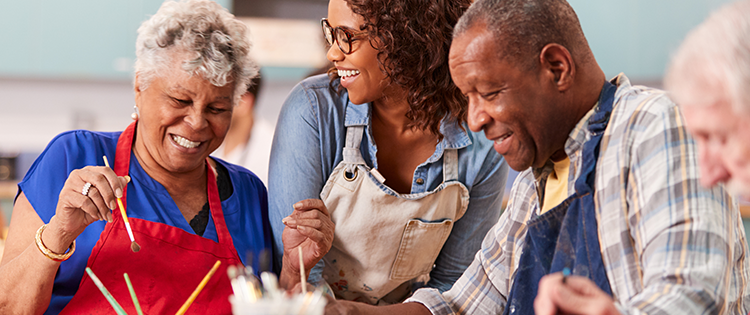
[72,39]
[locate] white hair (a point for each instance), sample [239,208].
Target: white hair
[715,55]
[214,41]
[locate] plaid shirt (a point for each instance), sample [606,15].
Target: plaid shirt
[668,244]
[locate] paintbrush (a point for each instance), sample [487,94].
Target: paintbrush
[192,297]
[302,279]
[132,294]
[565,273]
[133,245]
[111,299]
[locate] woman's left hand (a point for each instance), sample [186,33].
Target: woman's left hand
[309,227]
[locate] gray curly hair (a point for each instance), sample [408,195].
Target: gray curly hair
[214,40]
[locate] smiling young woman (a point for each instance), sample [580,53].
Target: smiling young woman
[382,141]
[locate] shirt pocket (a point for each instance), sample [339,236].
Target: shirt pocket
[420,245]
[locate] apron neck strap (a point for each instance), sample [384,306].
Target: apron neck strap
[352,155]
[450,165]
[214,202]
[597,125]
[122,156]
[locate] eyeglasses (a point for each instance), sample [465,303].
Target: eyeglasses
[341,36]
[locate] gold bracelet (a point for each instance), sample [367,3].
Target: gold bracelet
[47,252]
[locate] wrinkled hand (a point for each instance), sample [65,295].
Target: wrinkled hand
[76,211]
[578,295]
[309,227]
[334,307]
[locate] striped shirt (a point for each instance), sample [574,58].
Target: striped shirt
[669,245]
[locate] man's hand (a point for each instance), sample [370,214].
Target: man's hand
[578,295]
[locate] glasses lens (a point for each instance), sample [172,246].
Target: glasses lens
[344,40]
[328,32]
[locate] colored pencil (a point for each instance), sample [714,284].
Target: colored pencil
[132,295]
[107,295]
[198,290]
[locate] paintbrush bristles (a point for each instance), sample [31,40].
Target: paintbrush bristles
[135,247]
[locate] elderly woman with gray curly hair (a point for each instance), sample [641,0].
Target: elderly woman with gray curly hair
[184,210]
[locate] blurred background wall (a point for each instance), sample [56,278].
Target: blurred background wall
[68,64]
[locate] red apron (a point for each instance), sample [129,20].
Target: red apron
[169,266]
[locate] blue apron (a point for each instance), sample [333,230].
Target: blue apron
[566,235]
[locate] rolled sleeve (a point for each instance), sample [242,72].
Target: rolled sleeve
[433,300]
[484,209]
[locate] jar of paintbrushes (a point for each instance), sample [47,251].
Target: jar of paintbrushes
[253,296]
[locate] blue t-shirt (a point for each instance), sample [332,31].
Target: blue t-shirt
[245,211]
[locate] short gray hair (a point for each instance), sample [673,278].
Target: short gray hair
[715,54]
[214,41]
[526,26]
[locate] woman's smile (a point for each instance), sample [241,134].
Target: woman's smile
[348,77]
[185,143]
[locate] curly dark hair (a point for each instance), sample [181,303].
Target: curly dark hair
[414,41]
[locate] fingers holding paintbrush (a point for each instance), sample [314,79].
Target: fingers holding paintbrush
[311,227]
[307,238]
[134,246]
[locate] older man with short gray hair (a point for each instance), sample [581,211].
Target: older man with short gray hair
[710,79]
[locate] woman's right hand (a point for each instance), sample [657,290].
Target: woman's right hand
[75,211]
[310,228]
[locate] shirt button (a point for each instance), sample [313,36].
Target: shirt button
[420,181]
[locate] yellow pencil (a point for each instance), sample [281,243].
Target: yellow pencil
[195,293]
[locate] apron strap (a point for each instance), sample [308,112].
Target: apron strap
[122,157]
[450,165]
[352,155]
[597,125]
[217,213]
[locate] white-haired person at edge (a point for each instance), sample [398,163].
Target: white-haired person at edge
[186,210]
[607,215]
[709,79]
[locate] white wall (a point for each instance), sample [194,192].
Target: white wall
[34,111]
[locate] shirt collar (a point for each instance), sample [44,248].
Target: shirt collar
[580,134]
[453,136]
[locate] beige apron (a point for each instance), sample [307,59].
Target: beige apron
[385,241]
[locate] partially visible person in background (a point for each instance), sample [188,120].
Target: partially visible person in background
[248,141]
[709,78]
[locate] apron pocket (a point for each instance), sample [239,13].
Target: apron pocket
[420,245]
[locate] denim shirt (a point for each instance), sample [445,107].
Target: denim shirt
[307,146]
